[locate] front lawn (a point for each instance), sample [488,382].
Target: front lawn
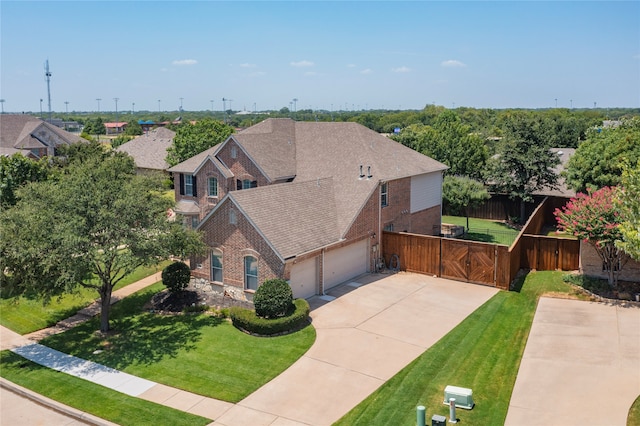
[197,352]
[483,353]
[92,398]
[488,231]
[24,315]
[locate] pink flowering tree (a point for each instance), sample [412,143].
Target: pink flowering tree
[595,218]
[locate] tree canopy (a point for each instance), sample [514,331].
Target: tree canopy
[629,196]
[448,141]
[192,139]
[598,160]
[91,226]
[524,162]
[16,171]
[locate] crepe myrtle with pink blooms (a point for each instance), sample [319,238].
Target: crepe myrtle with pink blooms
[594,218]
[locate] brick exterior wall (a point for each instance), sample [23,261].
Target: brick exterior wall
[591,264]
[242,167]
[398,211]
[236,242]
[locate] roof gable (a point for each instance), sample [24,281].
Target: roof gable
[150,150]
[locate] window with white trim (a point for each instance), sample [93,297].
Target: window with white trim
[250,273]
[232,217]
[188,185]
[216,266]
[213,187]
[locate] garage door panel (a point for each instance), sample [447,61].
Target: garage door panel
[304,277]
[344,263]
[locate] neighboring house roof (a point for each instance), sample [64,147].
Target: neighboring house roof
[150,150]
[294,217]
[115,125]
[26,132]
[562,190]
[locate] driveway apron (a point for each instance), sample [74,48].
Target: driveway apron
[581,365]
[376,326]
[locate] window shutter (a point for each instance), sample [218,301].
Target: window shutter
[181,184]
[254,184]
[195,186]
[239,185]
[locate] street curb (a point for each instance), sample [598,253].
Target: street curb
[76,414]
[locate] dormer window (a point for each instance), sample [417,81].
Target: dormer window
[188,185]
[213,187]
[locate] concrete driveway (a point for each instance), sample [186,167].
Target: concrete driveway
[376,326]
[581,365]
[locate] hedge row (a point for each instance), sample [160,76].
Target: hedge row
[247,320]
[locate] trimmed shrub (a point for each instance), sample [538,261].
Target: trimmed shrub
[273,299]
[176,276]
[247,320]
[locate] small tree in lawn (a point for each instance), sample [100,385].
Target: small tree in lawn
[595,218]
[176,276]
[273,299]
[463,193]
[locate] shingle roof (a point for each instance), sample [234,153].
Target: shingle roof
[294,217]
[193,164]
[22,131]
[150,150]
[562,190]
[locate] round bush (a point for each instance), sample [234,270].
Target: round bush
[247,320]
[176,276]
[273,299]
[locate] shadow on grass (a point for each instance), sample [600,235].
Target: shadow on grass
[136,336]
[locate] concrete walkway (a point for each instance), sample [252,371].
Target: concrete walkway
[581,365]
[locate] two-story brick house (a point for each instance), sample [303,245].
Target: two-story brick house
[303,201]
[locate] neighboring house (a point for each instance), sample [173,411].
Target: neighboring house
[150,150]
[303,201]
[562,190]
[115,128]
[32,137]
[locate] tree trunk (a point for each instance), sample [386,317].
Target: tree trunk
[105,308]
[523,210]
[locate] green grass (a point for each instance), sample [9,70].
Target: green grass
[483,353]
[198,353]
[91,398]
[634,413]
[24,315]
[488,231]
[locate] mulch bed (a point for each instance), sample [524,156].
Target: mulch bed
[167,302]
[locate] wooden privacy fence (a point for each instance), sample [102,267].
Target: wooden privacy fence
[483,263]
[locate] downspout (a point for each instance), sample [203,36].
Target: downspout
[379,253]
[322,283]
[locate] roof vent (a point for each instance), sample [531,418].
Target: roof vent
[369,175]
[361,173]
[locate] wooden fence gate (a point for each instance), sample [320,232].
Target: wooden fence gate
[469,261]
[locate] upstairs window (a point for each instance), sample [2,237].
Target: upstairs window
[246,184]
[234,151]
[384,194]
[188,185]
[213,187]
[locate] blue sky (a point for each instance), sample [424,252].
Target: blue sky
[329,54]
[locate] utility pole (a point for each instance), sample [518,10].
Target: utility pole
[40,108]
[158,105]
[295,100]
[66,109]
[2,103]
[97,99]
[133,107]
[211,106]
[181,104]
[47,74]
[117,123]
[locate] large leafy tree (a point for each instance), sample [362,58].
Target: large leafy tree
[91,226]
[192,139]
[524,162]
[629,196]
[595,218]
[16,171]
[463,194]
[450,142]
[598,160]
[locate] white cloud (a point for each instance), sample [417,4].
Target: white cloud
[366,71]
[302,64]
[181,62]
[401,69]
[247,65]
[452,63]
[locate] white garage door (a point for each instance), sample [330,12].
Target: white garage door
[344,263]
[304,276]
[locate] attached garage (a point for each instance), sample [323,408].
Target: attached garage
[304,278]
[345,263]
